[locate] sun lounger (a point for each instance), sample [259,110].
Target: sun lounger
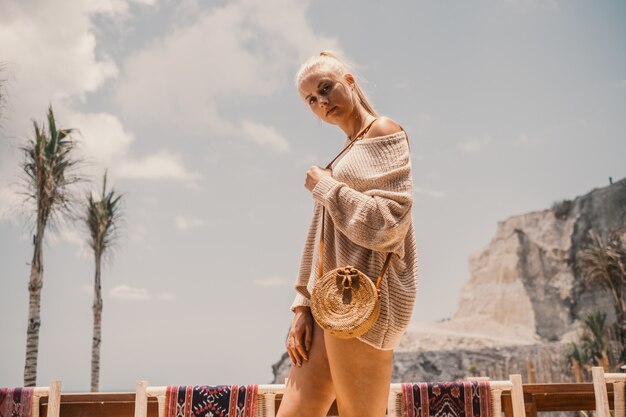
[397,397]
[24,401]
[264,401]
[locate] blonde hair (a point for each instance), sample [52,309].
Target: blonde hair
[329,62]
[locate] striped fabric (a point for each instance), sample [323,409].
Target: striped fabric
[368,199]
[16,402]
[450,399]
[211,401]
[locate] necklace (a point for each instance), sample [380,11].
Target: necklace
[364,129]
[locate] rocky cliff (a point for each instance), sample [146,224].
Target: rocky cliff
[523,301]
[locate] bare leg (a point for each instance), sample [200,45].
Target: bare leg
[309,391]
[361,375]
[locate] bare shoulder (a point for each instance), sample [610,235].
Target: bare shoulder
[383,126]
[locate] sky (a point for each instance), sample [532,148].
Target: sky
[510,106]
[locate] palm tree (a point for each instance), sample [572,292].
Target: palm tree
[49,165]
[102,217]
[579,361]
[596,339]
[604,262]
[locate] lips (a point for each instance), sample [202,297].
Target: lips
[331,110]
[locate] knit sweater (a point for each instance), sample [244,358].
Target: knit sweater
[368,202]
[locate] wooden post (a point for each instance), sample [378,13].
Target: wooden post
[496,402]
[54,399]
[507,366]
[501,374]
[392,408]
[578,372]
[599,389]
[517,396]
[141,399]
[39,392]
[269,400]
[532,374]
[619,404]
[604,361]
[548,368]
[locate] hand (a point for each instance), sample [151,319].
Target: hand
[300,336]
[314,175]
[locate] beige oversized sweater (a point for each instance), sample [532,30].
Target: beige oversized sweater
[368,202]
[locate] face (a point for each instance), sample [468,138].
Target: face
[328,97]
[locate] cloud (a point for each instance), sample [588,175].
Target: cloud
[106,143]
[525,140]
[70,232]
[473,144]
[621,84]
[52,62]
[125,292]
[162,165]
[101,136]
[10,200]
[216,56]
[186,223]
[266,136]
[165,296]
[47,63]
[273,281]
[60,64]
[429,192]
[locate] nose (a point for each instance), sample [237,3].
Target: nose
[324,100]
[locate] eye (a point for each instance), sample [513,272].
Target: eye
[311,100]
[325,88]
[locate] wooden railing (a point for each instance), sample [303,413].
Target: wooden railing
[537,397]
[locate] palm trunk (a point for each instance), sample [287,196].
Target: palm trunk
[578,372]
[97,328]
[35,283]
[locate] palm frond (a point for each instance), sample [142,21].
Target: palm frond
[102,217]
[50,166]
[603,262]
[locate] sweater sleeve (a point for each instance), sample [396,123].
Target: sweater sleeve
[379,217]
[299,301]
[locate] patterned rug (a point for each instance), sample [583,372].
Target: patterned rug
[447,399]
[15,402]
[211,401]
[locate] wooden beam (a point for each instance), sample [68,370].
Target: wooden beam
[537,398]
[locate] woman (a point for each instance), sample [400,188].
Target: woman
[367,195]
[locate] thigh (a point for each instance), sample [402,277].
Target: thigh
[309,391]
[361,376]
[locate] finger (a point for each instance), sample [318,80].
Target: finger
[295,352]
[301,351]
[308,338]
[293,360]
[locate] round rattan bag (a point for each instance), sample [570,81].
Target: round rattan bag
[345,302]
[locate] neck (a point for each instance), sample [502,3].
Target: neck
[357,120]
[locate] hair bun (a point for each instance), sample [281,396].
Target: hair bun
[328,54]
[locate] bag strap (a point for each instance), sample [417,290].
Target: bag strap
[349,145]
[358,136]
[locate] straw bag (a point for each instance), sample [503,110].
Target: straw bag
[345,302]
